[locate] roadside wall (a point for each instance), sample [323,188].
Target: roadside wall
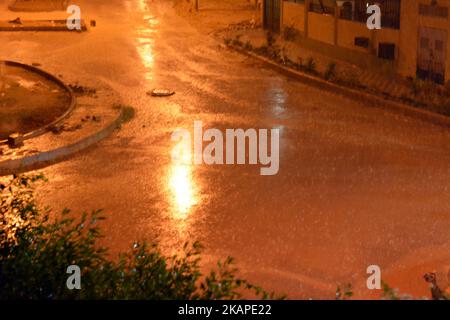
[331,30]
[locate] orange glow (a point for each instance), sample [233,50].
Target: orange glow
[182,187]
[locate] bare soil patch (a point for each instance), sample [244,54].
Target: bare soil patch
[28,101]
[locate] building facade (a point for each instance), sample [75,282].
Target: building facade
[412,41]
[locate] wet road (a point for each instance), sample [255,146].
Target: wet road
[357,185]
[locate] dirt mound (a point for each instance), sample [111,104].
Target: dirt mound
[28,101]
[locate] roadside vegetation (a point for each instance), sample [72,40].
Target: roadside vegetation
[306,64]
[37,246]
[422,93]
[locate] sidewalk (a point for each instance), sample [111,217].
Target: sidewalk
[37,5]
[238,24]
[291,50]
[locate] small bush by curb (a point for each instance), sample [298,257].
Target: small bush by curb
[349,85]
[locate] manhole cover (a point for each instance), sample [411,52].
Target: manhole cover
[161,92]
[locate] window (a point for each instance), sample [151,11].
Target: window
[322,6]
[433,11]
[347,11]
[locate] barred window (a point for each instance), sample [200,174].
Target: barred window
[322,6]
[433,11]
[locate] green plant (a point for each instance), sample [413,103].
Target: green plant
[345,292]
[416,86]
[425,88]
[35,251]
[248,46]
[310,65]
[262,50]
[290,33]
[274,53]
[128,113]
[330,72]
[237,41]
[389,293]
[351,79]
[283,56]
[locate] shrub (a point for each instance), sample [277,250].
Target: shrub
[227,41]
[423,87]
[344,293]
[352,80]
[330,72]
[248,46]
[36,250]
[128,112]
[290,33]
[274,53]
[310,65]
[416,86]
[263,50]
[237,41]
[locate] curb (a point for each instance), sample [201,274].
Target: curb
[368,99]
[47,158]
[50,26]
[50,77]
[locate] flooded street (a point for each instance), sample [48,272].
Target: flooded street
[357,185]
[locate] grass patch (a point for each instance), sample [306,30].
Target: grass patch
[128,112]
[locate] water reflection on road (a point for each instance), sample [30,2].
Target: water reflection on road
[183,189]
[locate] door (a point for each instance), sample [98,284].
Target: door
[272,13]
[432,53]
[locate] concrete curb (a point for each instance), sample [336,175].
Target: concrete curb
[369,99]
[45,25]
[47,158]
[48,76]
